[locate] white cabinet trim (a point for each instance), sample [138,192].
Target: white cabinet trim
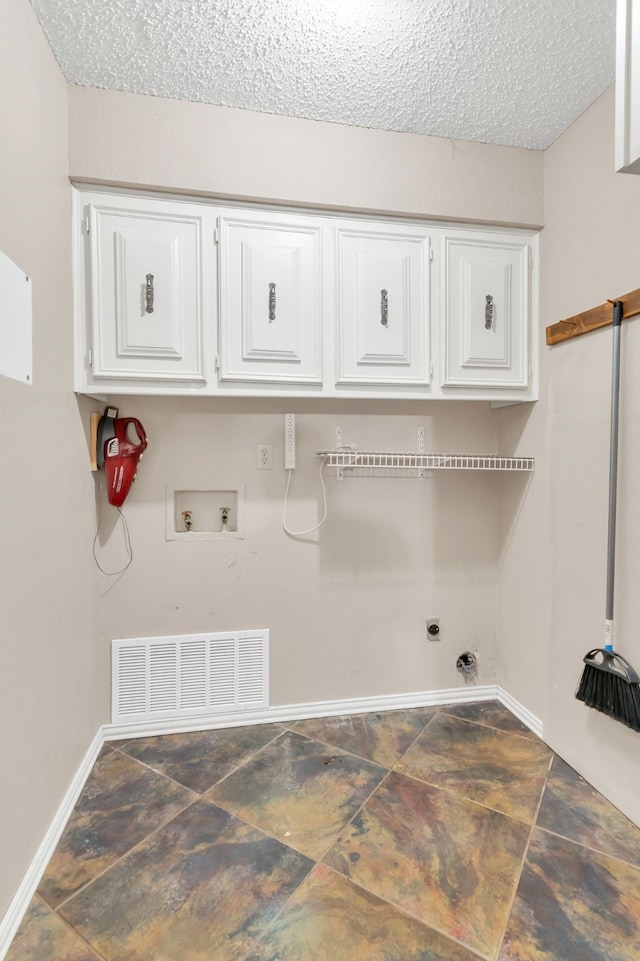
[627,113]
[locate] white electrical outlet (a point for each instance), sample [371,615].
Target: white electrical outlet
[264,457]
[289,441]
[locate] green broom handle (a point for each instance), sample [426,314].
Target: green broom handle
[613,474]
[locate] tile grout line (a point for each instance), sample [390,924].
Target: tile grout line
[587,847]
[419,734]
[439,711]
[239,767]
[155,771]
[214,783]
[256,827]
[242,817]
[462,797]
[388,771]
[394,769]
[393,904]
[336,747]
[76,933]
[447,790]
[361,757]
[243,763]
[414,917]
[378,786]
[125,854]
[318,862]
[352,819]
[196,797]
[468,801]
[523,862]
[492,727]
[287,843]
[435,714]
[274,919]
[396,907]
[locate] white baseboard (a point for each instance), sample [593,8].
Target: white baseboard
[11,921]
[283,712]
[294,712]
[533,723]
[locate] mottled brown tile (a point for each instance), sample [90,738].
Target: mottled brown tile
[491,713]
[121,803]
[573,905]
[504,771]
[451,863]
[204,887]
[329,919]
[299,791]
[198,759]
[42,936]
[381,737]
[574,809]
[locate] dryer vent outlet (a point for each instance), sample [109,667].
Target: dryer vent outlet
[467,664]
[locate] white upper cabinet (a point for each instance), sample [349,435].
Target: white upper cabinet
[270,299]
[146,294]
[627,136]
[194,297]
[486,310]
[382,305]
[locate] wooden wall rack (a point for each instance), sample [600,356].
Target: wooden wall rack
[600,316]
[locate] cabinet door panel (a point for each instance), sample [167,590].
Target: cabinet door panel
[271,288]
[271,300]
[486,313]
[383,332]
[154,329]
[146,300]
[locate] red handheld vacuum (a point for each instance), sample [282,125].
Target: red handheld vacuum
[119,455]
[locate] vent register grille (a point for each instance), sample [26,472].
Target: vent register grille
[157,678]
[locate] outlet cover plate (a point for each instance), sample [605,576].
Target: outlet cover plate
[264,457]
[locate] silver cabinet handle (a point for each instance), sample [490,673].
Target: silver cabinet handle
[148,294]
[272,302]
[488,312]
[384,308]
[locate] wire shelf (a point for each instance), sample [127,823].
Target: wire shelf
[398,462]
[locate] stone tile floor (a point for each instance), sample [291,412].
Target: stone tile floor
[431,834]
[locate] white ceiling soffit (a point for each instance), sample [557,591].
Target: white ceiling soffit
[514,72]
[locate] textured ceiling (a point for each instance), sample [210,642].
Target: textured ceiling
[514,72]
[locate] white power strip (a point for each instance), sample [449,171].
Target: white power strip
[289,441]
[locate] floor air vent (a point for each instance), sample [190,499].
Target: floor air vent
[156,678]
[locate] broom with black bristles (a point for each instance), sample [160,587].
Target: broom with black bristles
[608,682]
